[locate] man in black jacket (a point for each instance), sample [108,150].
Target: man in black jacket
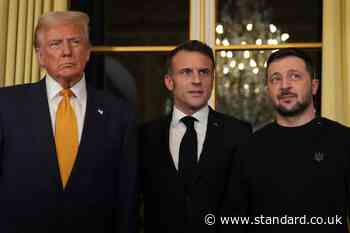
[186,156]
[293,175]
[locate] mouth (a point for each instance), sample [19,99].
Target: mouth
[287,98]
[67,65]
[196,93]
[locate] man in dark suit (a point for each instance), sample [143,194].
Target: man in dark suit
[67,152]
[186,156]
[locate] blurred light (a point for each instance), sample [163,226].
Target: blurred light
[229,54]
[249,26]
[227,84]
[273,28]
[226,70]
[252,63]
[265,64]
[246,86]
[256,70]
[218,41]
[273,51]
[223,53]
[272,41]
[246,54]
[219,29]
[257,90]
[241,66]
[285,36]
[225,42]
[258,41]
[243,42]
[232,63]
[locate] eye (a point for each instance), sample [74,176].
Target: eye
[54,44]
[204,72]
[75,41]
[295,76]
[186,72]
[275,78]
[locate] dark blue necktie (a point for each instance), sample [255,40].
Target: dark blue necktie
[188,152]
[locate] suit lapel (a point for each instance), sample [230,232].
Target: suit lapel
[212,140]
[40,118]
[92,135]
[165,149]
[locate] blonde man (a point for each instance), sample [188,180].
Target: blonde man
[67,160]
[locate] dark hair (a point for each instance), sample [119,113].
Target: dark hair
[288,52]
[190,46]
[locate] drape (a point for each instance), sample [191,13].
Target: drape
[18,62]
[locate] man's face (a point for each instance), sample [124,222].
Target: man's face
[190,81]
[63,51]
[290,86]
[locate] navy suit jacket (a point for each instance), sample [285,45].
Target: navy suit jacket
[100,195]
[167,207]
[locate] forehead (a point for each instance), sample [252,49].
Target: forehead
[287,63]
[191,58]
[56,31]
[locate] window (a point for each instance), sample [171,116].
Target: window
[130,45]
[242,33]
[247,31]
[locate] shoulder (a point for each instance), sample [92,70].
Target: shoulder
[265,130]
[116,110]
[331,123]
[333,127]
[19,95]
[156,124]
[230,121]
[17,90]
[109,100]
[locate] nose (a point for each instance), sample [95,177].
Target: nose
[196,77]
[285,83]
[67,50]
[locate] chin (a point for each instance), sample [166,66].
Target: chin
[196,107]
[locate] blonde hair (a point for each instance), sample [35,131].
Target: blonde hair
[60,17]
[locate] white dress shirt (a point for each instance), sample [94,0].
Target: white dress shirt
[78,101]
[178,129]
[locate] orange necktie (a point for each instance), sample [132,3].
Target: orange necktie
[66,135]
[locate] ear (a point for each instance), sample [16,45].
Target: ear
[40,57]
[169,82]
[314,86]
[266,88]
[88,53]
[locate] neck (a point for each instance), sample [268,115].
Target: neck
[188,111]
[295,121]
[68,83]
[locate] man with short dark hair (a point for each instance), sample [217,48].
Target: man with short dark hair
[293,174]
[186,156]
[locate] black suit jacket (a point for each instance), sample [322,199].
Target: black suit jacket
[167,208]
[101,192]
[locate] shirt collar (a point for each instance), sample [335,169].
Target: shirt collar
[53,88]
[201,115]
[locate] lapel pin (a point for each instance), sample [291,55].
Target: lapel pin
[216,124]
[100,111]
[318,156]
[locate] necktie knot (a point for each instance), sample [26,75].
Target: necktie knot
[188,121]
[66,93]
